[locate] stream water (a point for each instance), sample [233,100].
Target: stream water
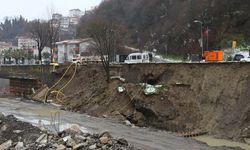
[211,141]
[146,138]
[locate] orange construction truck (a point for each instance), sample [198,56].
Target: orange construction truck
[214,55]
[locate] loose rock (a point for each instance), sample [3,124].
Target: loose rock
[92,146]
[61,147]
[31,138]
[122,141]
[4,128]
[19,146]
[42,139]
[6,145]
[79,146]
[104,140]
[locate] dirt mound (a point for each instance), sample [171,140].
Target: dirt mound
[196,98]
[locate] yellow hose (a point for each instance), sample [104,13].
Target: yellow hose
[59,92]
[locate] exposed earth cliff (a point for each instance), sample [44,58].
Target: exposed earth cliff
[211,98]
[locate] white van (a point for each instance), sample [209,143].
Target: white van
[139,58]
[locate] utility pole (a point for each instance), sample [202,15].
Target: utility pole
[201,26]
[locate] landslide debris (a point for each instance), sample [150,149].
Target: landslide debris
[196,98]
[17,135]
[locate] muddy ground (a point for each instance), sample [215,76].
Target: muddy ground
[195,98]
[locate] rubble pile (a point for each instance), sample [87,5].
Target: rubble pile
[18,135]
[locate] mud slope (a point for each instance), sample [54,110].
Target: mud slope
[195,97]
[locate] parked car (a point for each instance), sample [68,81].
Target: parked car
[45,62]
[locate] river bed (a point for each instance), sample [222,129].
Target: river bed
[146,138]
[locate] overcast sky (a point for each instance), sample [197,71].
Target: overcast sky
[37,9]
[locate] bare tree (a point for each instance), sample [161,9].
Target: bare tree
[53,30]
[106,39]
[53,35]
[39,32]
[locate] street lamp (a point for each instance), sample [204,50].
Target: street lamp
[202,49]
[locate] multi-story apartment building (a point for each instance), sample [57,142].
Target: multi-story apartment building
[26,43]
[67,49]
[4,46]
[57,16]
[64,23]
[75,13]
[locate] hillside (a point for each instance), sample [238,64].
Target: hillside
[168,25]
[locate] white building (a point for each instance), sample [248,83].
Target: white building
[5,46]
[64,23]
[30,45]
[57,16]
[74,20]
[75,13]
[26,43]
[67,49]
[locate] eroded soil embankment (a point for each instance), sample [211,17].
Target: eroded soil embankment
[194,97]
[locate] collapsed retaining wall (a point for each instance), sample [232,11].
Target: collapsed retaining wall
[23,78]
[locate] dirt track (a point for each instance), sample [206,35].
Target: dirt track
[196,97]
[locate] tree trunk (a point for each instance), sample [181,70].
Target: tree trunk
[108,77]
[108,74]
[40,55]
[51,54]
[16,60]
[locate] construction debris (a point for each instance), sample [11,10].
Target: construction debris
[151,89]
[121,89]
[72,138]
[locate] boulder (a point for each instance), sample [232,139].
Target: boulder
[74,129]
[65,139]
[128,123]
[80,138]
[104,140]
[6,145]
[42,139]
[19,146]
[122,141]
[61,147]
[17,131]
[105,134]
[4,128]
[79,146]
[104,147]
[70,142]
[93,146]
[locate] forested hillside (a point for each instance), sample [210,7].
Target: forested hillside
[169,27]
[12,27]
